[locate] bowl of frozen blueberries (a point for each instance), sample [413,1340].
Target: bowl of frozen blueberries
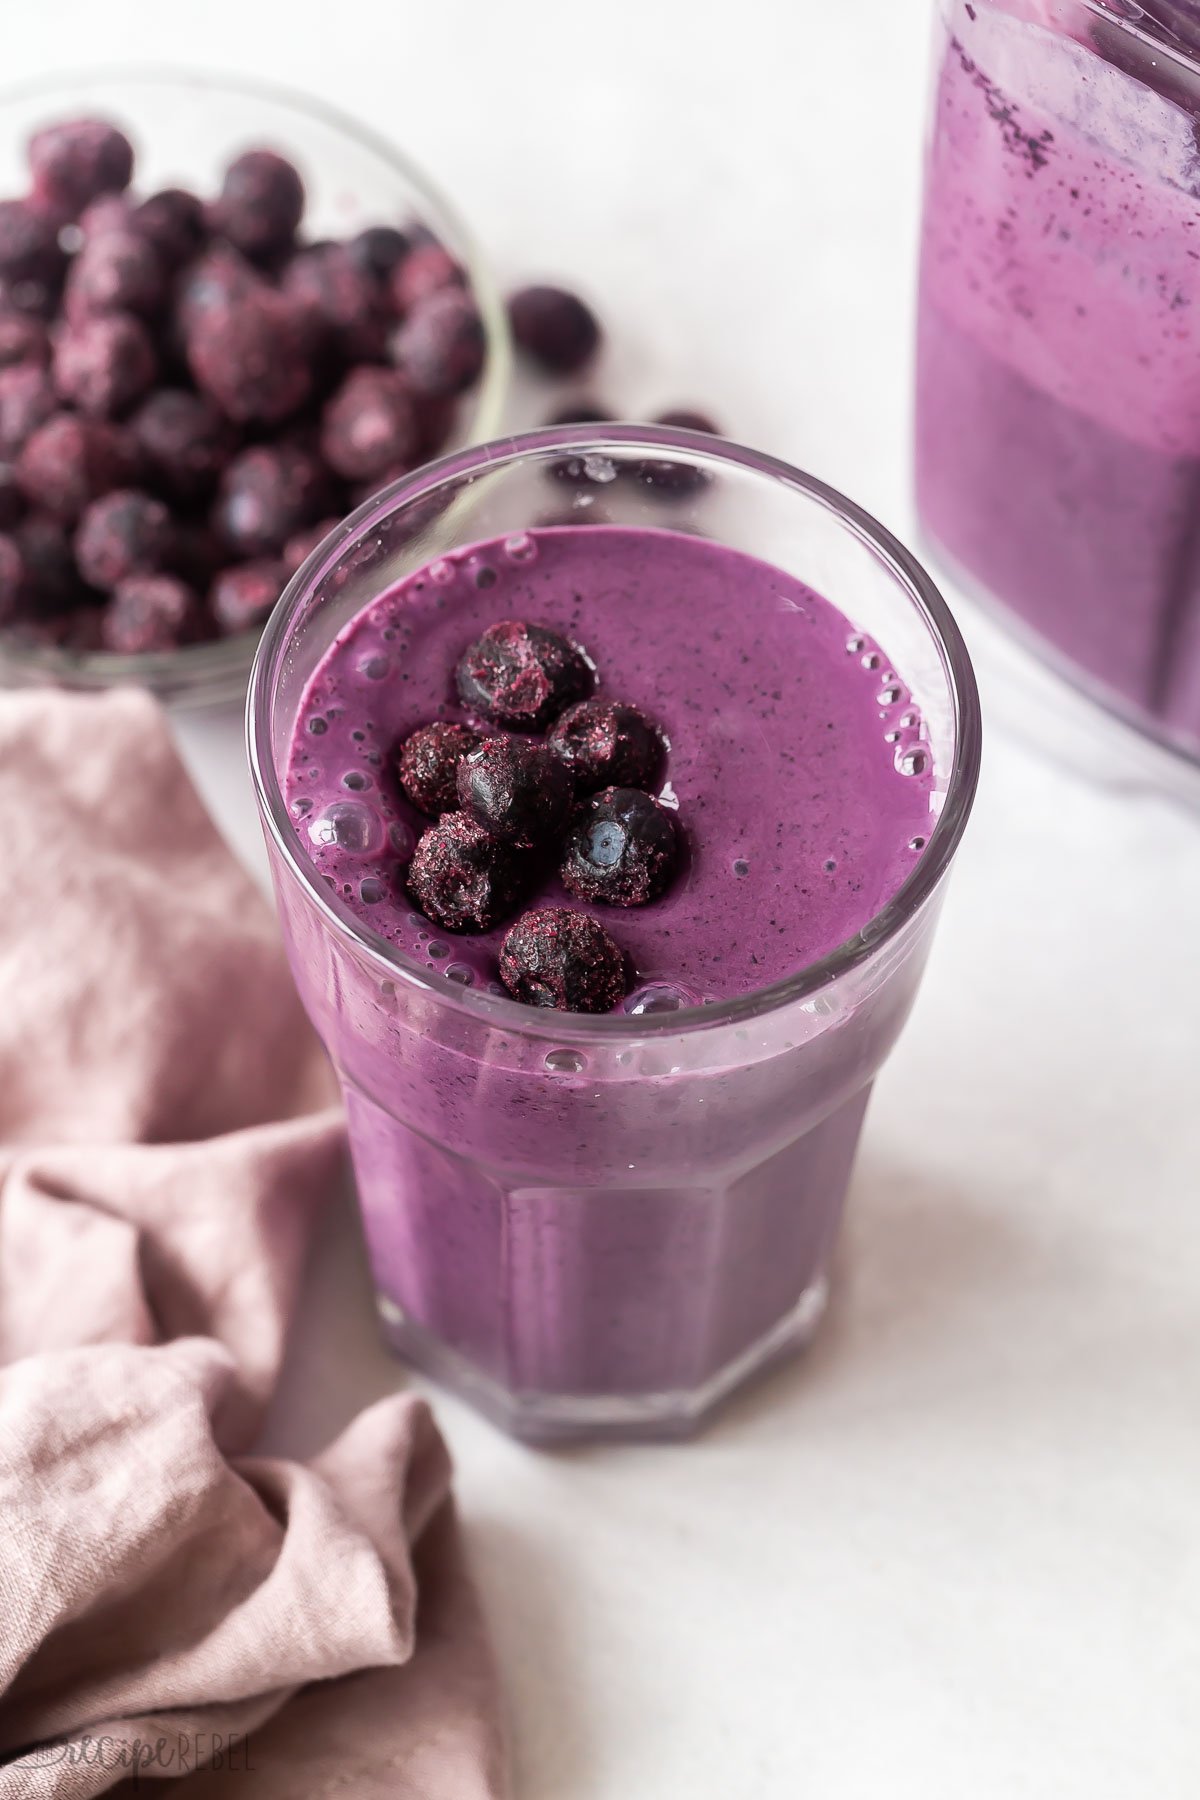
[227,316]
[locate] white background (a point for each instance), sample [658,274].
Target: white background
[955,1550]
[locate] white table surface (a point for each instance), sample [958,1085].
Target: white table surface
[954,1551]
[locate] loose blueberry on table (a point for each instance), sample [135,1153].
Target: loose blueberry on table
[190,394]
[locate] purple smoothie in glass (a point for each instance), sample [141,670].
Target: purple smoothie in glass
[796,765]
[803,784]
[1058,395]
[599,1225]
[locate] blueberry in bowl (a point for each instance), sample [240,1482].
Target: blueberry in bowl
[237,313]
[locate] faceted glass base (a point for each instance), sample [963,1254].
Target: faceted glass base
[557,1418]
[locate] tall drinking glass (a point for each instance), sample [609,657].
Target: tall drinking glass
[600,1225]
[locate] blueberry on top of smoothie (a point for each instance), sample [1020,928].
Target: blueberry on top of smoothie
[522,675]
[622,849]
[554,957]
[463,878]
[518,791]
[427,765]
[606,743]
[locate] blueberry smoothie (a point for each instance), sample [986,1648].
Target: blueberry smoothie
[1058,416]
[637,1215]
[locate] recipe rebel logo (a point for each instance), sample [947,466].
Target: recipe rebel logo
[166,1754]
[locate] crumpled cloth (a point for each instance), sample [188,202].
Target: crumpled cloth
[172,1606]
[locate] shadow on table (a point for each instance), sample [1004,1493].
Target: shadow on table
[917,1262]
[536,1648]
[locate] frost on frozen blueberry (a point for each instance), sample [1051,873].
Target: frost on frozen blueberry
[427,766]
[345,299]
[370,425]
[440,346]
[251,354]
[115,272]
[463,878]
[70,461]
[104,365]
[522,675]
[518,791]
[242,597]
[554,957]
[605,743]
[151,613]
[123,533]
[622,849]
[266,494]
[27,399]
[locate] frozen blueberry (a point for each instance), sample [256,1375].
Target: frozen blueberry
[111,212]
[558,958]
[519,791]
[554,328]
[427,269]
[38,299]
[27,399]
[12,579]
[185,441]
[70,461]
[77,160]
[606,743]
[197,555]
[378,250]
[301,544]
[104,365]
[151,612]
[622,849]
[219,278]
[522,675]
[260,204]
[436,417]
[440,346]
[463,878]
[52,580]
[252,356]
[29,247]
[123,533]
[266,494]
[242,597]
[12,500]
[427,765]
[345,299]
[115,272]
[370,424]
[173,221]
[668,478]
[23,339]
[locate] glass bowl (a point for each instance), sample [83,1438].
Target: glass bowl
[185,128]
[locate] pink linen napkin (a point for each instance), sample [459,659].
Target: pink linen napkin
[171,1606]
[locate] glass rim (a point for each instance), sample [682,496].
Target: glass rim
[229,658]
[1156,33]
[391,962]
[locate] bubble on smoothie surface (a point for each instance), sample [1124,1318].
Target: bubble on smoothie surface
[348,825]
